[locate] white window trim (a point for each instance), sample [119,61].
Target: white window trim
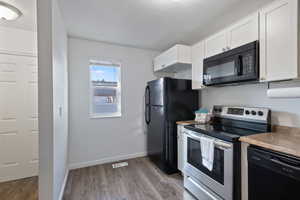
[112,115]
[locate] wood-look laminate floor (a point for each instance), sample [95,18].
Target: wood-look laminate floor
[141,180]
[24,189]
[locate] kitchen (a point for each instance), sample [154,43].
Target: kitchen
[189,100]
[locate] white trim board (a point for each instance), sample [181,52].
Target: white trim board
[62,190]
[106,160]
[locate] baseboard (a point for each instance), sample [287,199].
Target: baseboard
[62,190]
[106,160]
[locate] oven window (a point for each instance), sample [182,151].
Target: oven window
[221,70]
[194,158]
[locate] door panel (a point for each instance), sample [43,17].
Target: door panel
[279,41]
[180,147]
[197,65]
[215,44]
[244,32]
[18,117]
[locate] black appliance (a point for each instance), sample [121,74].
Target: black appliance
[237,65]
[272,175]
[167,101]
[228,125]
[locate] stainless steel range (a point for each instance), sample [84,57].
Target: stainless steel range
[228,125]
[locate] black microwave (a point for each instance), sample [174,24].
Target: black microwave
[237,65]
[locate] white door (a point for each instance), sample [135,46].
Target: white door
[279,41]
[216,44]
[243,32]
[18,117]
[197,65]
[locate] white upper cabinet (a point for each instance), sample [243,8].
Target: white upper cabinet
[216,44]
[174,59]
[241,33]
[279,41]
[198,52]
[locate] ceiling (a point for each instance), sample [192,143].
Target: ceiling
[151,24]
[148,24]
[28,20]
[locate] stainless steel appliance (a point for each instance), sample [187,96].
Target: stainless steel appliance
[229,123]
[167,101]
[237,65]
[272,175]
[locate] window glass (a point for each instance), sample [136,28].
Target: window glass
[105,89]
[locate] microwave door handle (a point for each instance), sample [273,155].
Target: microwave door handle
[240,65]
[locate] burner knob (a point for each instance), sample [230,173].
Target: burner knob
[253,112]
[260,113]
[247,112]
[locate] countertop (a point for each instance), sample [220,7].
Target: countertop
[282,139]
[185,123]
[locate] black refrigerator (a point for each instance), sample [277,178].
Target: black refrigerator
[167,101]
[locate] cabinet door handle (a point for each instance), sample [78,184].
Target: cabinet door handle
[224,49]
[228,48]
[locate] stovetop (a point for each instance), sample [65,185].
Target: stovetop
[227,133]
[230,123]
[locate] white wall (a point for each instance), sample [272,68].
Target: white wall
[44,13]
[94,141]
[285,112]
[53,93]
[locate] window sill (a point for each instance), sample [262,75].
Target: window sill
[105,116]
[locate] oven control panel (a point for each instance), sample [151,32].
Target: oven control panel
[242,113]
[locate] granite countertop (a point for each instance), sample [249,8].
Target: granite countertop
[282,139]
[185,123]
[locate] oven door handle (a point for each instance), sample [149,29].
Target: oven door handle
[223,145]
[217,143]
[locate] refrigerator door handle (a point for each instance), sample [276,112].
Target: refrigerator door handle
[147,114]
[147,106]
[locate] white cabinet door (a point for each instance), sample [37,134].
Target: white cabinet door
[158,63]
[197,65]
[279,41]
[180,147]
[243,32]
[216,44]
[18,117]
[174,55]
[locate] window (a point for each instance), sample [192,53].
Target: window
[105,89]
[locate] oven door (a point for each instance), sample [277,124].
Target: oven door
[222,70]
[220,179]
